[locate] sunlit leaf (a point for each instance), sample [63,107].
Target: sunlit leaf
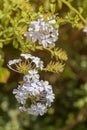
[4,75]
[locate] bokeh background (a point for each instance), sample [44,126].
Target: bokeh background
[69,110]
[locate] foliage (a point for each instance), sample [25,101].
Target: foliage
[54,67]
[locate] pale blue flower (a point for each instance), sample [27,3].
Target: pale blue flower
[11,62]
[38,109]
[32,76]
[36,60]
[26,56]
[42,32]
[38,90]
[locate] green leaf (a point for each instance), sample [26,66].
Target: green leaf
[55,67]
[58,54]
[15,44]
[4,75]
[59,4]
[1,45]
[1,58]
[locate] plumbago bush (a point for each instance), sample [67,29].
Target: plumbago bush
[30,36]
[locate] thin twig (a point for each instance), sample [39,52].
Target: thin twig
[82,114]
[74,10]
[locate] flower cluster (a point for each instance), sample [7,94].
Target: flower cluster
[38,92]
[42,32]
[34,95]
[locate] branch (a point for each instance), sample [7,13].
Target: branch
[74,10]
[82,114]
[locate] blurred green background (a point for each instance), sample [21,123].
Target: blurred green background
[69,110]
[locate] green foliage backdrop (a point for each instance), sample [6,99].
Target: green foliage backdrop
[69,110]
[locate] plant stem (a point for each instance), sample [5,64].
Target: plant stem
[74,10]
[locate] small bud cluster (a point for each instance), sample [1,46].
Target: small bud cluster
[33,94]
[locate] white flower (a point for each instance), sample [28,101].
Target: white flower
[43,32]
[11,62]
[85,29]
[38,109]
[21,94]
[47,93]
[26,56]
[49,99]
[22,108]
[32,76]
[36,60]
[53,21]
[32,89]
